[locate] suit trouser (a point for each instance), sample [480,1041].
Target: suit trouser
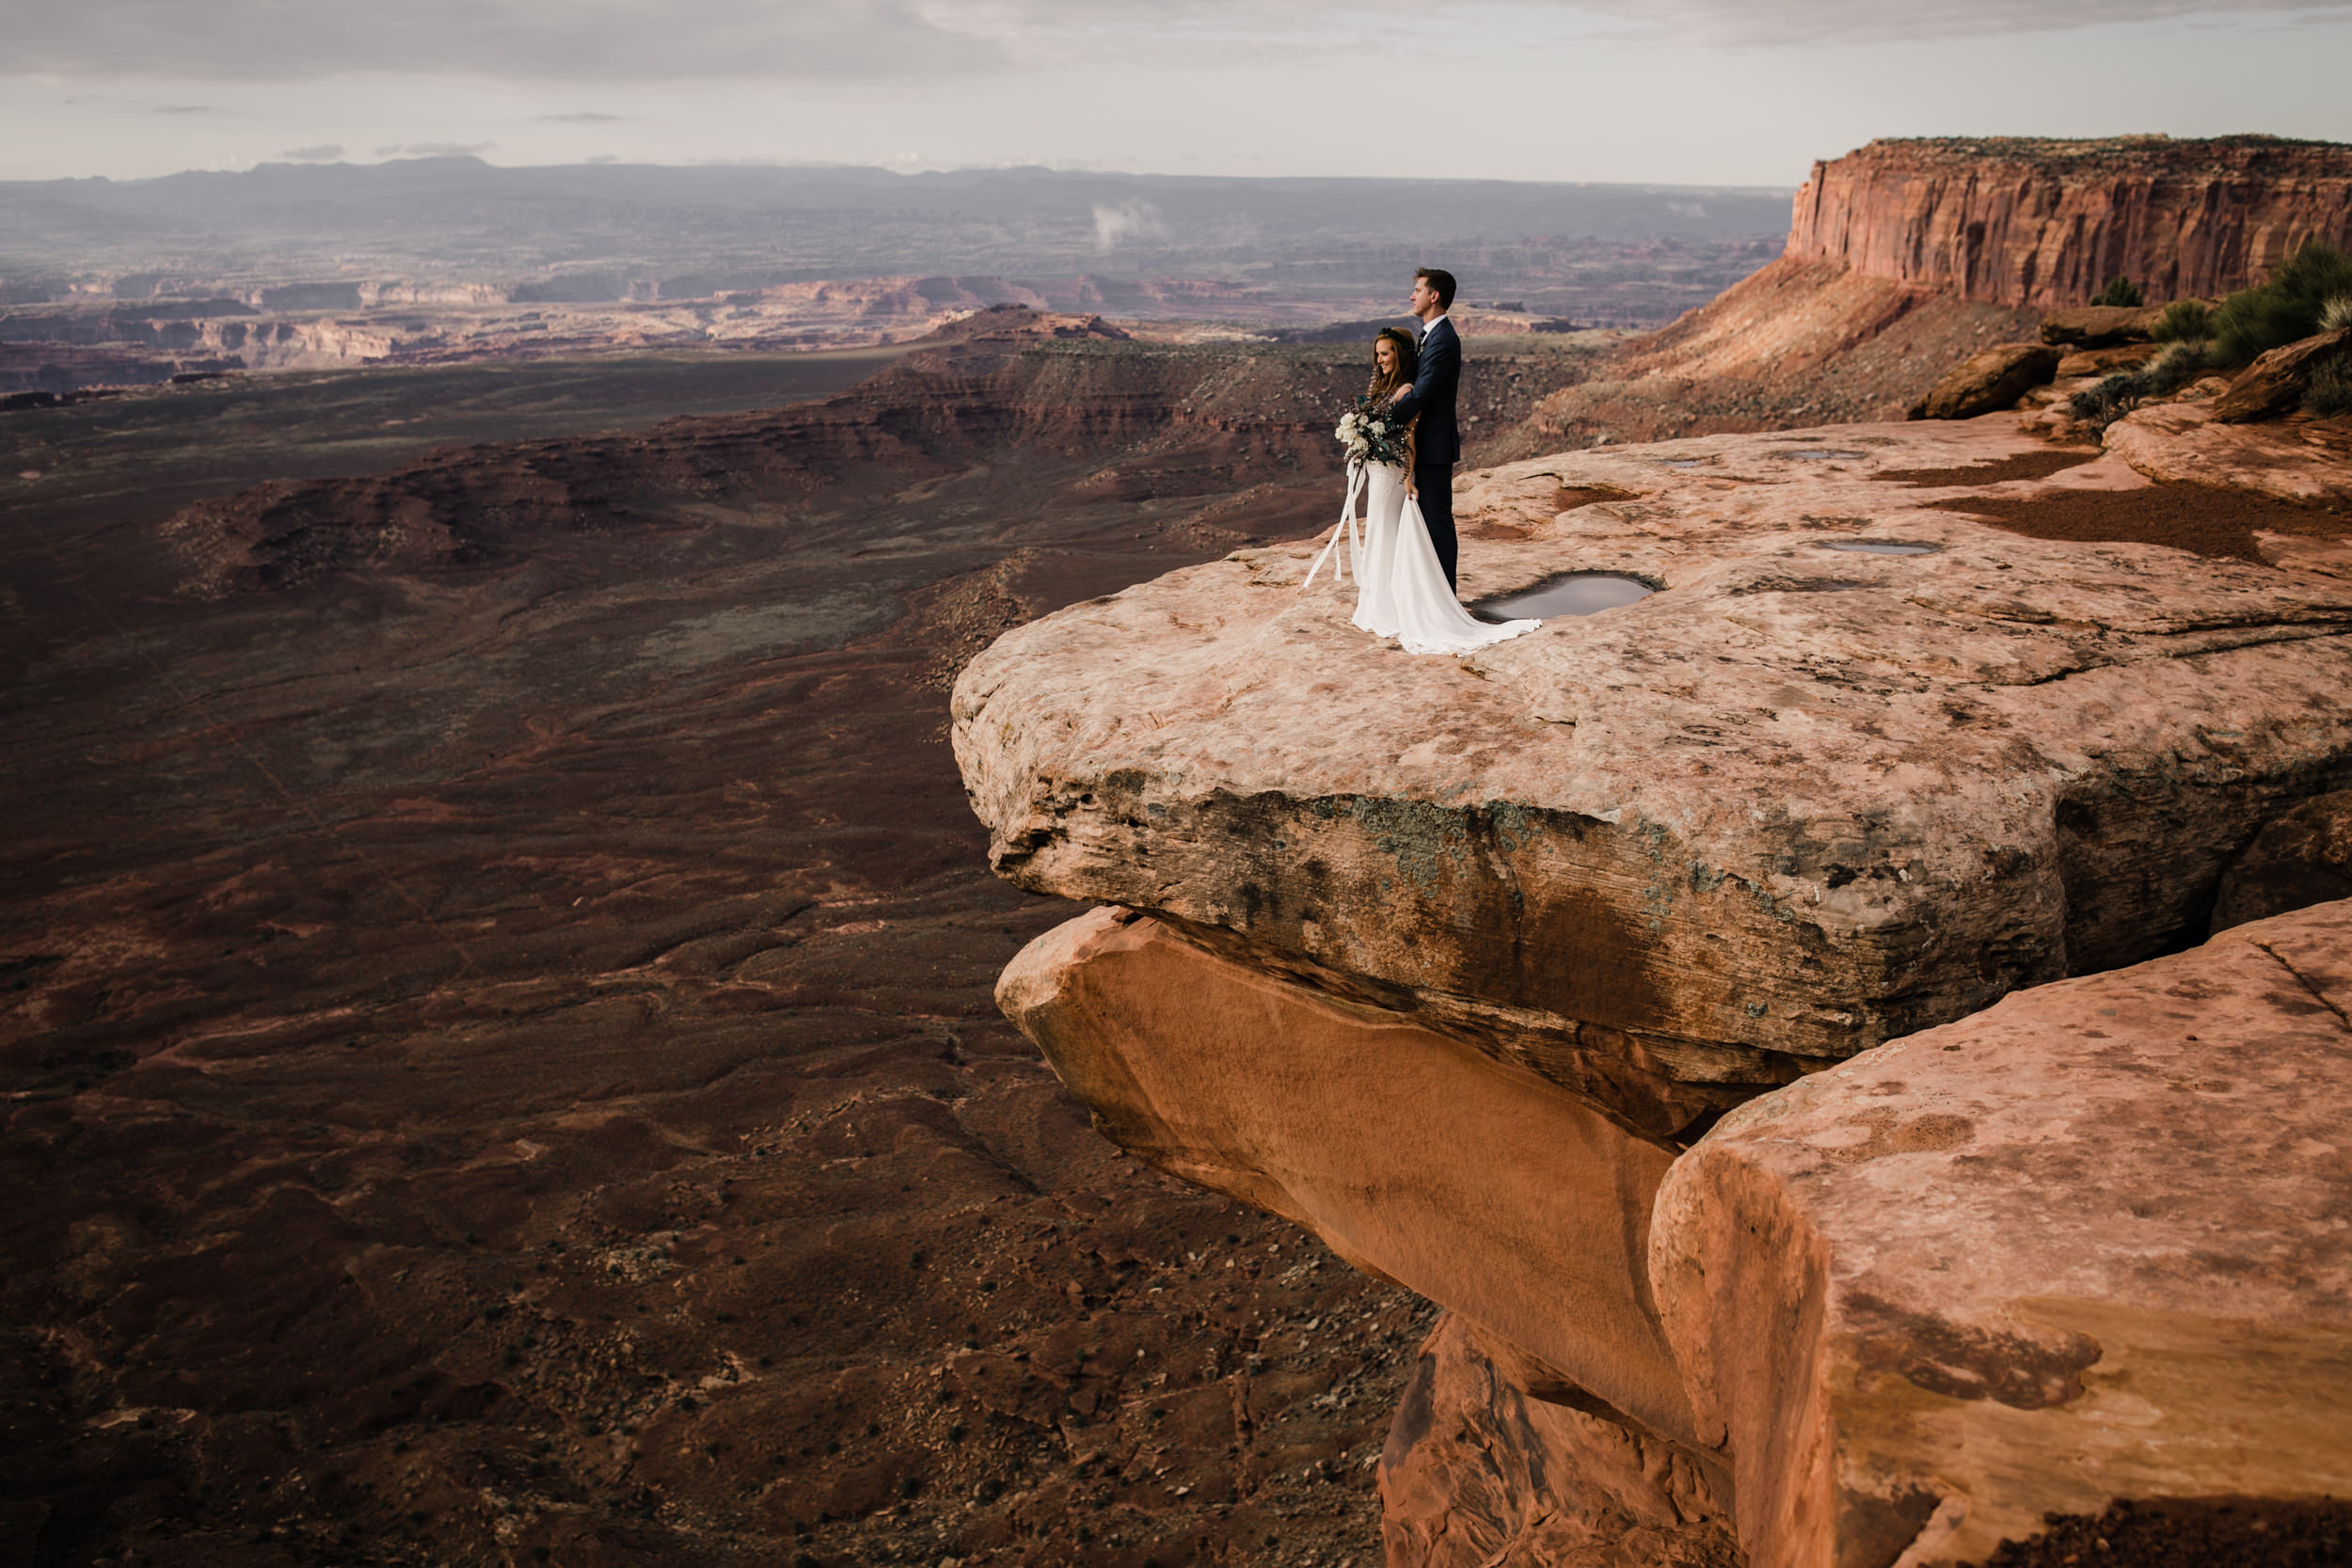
[1435,480]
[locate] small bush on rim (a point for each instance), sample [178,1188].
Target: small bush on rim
[2185,320]
[2255,321]
[2329,394]
[2120,291]
[2118,395]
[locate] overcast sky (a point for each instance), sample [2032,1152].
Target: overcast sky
[1683,91]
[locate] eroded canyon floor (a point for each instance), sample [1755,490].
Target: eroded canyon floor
[498,1046]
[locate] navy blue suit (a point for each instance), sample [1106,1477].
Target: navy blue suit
[1437,439]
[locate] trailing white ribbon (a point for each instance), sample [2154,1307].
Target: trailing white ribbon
[1350,528]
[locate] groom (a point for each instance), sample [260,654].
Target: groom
[1437,439]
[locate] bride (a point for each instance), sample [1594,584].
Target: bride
[1401,590]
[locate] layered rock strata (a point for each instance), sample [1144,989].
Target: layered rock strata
[1906,257]
[1451,960]
[2041,223]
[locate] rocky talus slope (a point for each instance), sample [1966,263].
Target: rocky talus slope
[1768,1015]
[1906,257]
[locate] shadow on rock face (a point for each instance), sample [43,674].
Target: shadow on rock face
[2302,857]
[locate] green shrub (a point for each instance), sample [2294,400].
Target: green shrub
[2329,394]
[2175,368]
[2120,291]
[2118,395]
[2255,321]
[2185,320]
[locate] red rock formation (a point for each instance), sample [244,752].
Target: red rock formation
[2040,224]
[1908,256]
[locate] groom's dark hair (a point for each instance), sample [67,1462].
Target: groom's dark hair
[1441,280]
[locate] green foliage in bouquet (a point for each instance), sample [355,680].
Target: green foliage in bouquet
[1372,433]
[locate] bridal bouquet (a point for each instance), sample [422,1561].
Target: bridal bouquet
[1371,433]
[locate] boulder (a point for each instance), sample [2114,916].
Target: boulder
[1803,799]
[1415,1156]
[2108,361]
[2086,1245]
[2101,326]
[2274,383]
[2182,443]
[1482,1468]
[1990,381]
[2302,857]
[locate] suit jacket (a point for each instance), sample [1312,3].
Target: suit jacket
[1438,439]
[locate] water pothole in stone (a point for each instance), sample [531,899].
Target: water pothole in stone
[1574,594]
[1686,462]
[1879,547]
[1822,454]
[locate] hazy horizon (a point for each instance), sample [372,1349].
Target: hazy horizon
[345,160]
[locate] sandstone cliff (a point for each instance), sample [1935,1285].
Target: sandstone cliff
[1905,257]
[1462,963]
[2039,224]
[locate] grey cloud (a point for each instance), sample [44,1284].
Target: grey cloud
[832,40]
[584,117]
[1879,20]
[186,109]
[514,40]
[325,153]
[441,149]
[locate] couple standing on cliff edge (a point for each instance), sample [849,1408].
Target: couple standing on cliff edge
[1404,565]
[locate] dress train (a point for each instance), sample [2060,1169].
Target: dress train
[1401,590]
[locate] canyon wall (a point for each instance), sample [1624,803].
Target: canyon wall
[2039,224]
[1905,257]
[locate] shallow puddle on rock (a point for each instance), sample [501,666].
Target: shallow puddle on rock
[1576,593]
[1879,547]
[1822,454]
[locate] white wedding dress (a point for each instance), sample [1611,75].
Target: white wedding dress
[1401,591]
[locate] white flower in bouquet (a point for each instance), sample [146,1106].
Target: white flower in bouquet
[1370,435]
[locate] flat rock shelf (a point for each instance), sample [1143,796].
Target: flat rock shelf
[1676,853]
